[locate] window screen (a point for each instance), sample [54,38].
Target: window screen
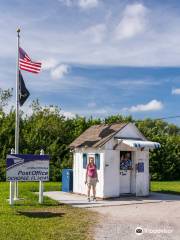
[125,160]
[84,160]
[97,160]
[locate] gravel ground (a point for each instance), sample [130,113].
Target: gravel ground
[120,222]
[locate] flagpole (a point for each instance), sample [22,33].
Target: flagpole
[17,108]
[17,98]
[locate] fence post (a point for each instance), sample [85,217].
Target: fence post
[11,193]
[16,190]
[41,187]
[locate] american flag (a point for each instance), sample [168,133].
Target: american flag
[25,63]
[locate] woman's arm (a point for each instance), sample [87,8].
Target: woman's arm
[97,175]
[86,174]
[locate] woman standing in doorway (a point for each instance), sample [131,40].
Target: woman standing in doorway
[91,178]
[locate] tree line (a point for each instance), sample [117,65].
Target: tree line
[46,128]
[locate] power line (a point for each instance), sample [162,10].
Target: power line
[178,116]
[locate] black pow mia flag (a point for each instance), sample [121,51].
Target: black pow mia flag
[23,92]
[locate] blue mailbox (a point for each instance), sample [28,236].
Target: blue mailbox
[67,180]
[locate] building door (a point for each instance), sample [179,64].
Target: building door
[125,171]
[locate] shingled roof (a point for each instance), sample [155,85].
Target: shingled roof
[97,135]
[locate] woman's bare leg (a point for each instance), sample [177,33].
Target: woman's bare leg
[88,191]
[94,191]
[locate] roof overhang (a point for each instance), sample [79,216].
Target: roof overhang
[139,144]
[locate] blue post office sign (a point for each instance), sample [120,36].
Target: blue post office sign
[27,167]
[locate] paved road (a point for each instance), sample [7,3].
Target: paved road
[120,222]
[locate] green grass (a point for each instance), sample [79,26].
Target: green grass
[166,187]
[28,220]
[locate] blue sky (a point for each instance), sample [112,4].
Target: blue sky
[99,57]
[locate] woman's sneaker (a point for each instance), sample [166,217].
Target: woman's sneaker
[94,199]
[88,199]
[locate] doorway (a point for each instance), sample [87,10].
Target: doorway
[125,171]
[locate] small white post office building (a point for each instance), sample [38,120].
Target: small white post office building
[121,155]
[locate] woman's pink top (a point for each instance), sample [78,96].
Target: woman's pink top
[91,171]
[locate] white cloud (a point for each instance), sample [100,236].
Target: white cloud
[68,114]
[91,104]
[96,33]
[135,83]
[56,71]
[49,63]
[59,71]
[85,4]
[68,3]
[94,112]
[67,42]
[176,91]
[153,105]
[28,111]
[133,21]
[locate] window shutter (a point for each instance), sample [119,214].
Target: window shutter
[84,160]
[97,160]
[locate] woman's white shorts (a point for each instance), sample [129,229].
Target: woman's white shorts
[91,181]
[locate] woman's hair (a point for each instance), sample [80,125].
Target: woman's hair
[90,160]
